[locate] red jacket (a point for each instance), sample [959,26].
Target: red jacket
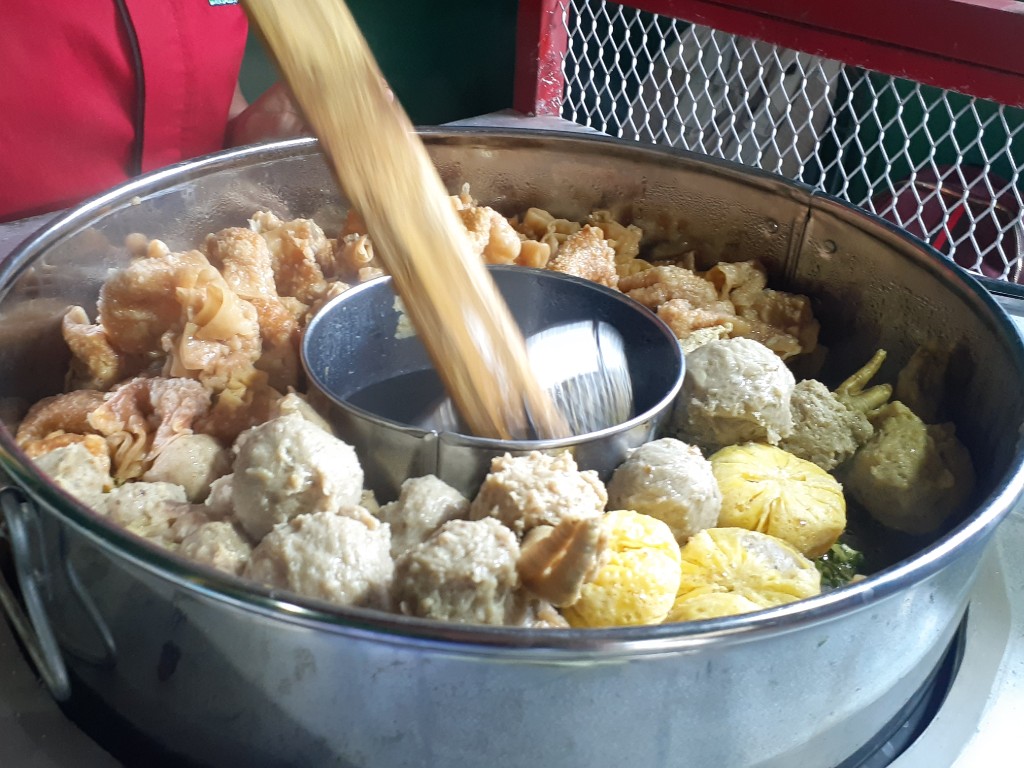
[96,91]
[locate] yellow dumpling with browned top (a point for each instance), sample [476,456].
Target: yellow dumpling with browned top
[767,489]
[638,578]
[725,571]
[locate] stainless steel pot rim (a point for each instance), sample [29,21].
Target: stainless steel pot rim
[488,443]
[536,644]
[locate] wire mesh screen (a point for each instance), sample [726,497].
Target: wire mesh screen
[947,167]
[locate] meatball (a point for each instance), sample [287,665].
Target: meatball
[185,520]
[191,461]
[465,572]
[734,391]
[219,501]
[78,471]
[826,431]
[342,556]
[158,512]
[423,505]
[556,562]
[296,403]
[289,466]
[526,491]
[132,503]
[540,614]
[217,543]
[911,476]
[671,481]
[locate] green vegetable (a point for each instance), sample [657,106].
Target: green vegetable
[839,565]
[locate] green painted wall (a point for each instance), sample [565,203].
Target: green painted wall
[944,128]
[444,61]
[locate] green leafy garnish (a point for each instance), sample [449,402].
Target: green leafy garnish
[839,565]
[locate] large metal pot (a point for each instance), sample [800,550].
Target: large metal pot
[227,673]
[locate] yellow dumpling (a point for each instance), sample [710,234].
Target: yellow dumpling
[710,605]
[725,571]
[639,578]
[766,489]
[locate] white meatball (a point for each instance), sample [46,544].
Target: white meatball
[671,481]
[423,505]
[826,431]
[131,502]
[157,511]
[340,556]
[526,491]
[78,471]
[191,461]
[219,502]
[734,391]
[465,572]
[288,467]
[296,403]
[217,543]
[187,519]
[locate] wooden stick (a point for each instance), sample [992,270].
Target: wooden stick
[386,173]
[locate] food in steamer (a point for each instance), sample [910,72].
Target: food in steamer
[185,422]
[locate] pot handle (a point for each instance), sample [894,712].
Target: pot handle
[34,630]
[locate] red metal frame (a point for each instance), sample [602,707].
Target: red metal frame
[541,42]
[969,46]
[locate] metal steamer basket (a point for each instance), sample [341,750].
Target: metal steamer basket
[222,671]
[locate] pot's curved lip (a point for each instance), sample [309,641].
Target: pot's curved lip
[592,645]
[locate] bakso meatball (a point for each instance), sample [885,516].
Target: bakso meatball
[289,466]
[423,505]
[219,502]
[298,404]
[465,572]
[218,543]
[539,614]
[671,481]
[734,391]
[132,504]
[342,556]
[83,473]
[826,431]
[158,512]
[192,461]
[526,491]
